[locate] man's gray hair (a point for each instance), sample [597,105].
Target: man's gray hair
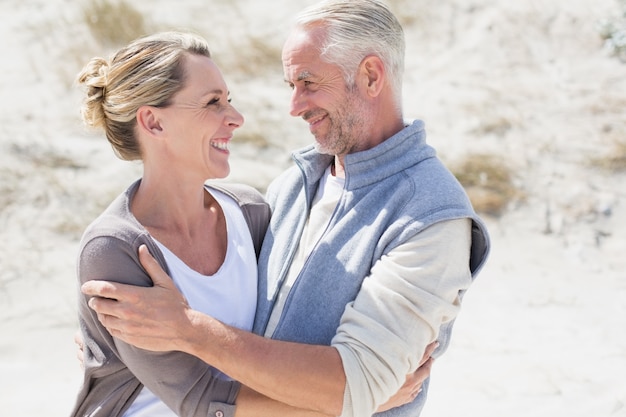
[356,29]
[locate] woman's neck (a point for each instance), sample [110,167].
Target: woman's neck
[186,219]
[167,203]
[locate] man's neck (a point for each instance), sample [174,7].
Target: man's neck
[336,168]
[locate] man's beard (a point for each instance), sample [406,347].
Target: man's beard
[345,128]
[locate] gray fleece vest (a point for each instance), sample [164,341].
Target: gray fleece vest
[391,193]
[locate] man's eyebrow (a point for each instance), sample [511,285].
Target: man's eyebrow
[302,76]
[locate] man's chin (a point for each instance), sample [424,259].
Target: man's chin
[323,150]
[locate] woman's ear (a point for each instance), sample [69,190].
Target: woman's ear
[148,120]
[372,70]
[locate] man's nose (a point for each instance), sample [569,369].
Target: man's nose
[298,103]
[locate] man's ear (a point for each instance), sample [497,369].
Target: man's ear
[373,74]
[148,120]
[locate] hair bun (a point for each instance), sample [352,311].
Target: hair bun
[95,77]
[95,73]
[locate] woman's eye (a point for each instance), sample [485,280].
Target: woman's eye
[217,100]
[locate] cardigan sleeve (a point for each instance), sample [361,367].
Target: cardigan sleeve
[410,293]
[186,384]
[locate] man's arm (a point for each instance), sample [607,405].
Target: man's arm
[401,307]
[252,404]
[304,376]
[158,318]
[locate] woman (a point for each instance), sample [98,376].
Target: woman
[162,100]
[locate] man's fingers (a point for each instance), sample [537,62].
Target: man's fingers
[78,339]
[118,291]
[104,306]
[114,324]
[103,289]
[113,313]
[80,354]
[159,277]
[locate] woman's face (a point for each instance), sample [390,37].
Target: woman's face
[200,121]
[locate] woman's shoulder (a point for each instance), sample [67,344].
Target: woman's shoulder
[109,246]
[243,194]
[116,221]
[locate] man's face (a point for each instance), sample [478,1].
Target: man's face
[335,113]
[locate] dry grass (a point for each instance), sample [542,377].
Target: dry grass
[114,22]
[44,157]
[94,28]
[252,136]
[615,160]
[31,160]
[9,190]
[488,182]
[497,125]
[254,57]
[415,13]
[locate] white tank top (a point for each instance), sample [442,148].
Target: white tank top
[229,295]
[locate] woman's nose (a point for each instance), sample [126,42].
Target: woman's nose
[235,118]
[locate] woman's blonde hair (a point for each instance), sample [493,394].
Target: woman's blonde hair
[149,71]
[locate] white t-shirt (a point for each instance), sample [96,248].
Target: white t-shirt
[229,295]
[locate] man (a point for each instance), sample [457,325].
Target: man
[371,245]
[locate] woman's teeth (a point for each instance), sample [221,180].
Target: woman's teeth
[223,146]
